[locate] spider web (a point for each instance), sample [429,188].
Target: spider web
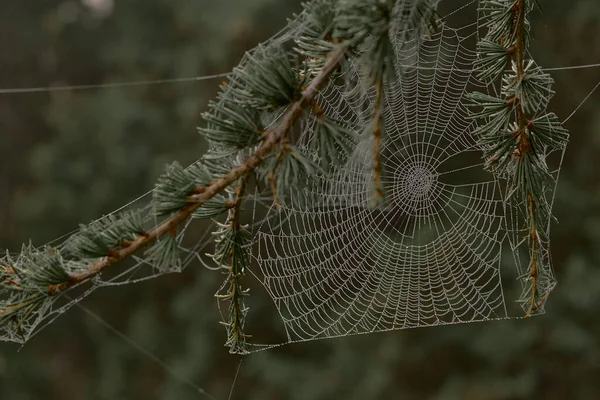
[335,263]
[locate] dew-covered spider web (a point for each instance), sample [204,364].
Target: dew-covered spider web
[339,264]
[335,262]
[440,248]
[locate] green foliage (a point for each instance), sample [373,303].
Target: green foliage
[375,27]
[333,143]
[495,111]
[314,41]
[493,61]
[517,133]
[35,269]
[531,178]
[176,185]
[164,254]
[213,208]
[533,90]
[269,81]
[368,24]
[97,239]
[231,124]
[24,284]
[232,255]
[547,131]
[290,168]
[500,20]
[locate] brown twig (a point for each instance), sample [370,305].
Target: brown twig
[525,147]
[377,168]
[208,192]
[272,175]
[237,337]
[519,57]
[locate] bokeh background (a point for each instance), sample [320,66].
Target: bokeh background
[69,157]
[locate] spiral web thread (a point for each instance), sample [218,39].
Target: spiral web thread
[334,264]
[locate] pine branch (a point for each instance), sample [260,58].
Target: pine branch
[517,133]
[233,255]
[272,81]
[379,28]
[525,147]
[333,141]
[271,140]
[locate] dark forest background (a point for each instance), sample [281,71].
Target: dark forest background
[70,157]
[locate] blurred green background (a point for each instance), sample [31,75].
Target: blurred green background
[69,157]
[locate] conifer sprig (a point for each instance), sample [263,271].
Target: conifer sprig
[517,133]
[332,141]
[232,255]
[378,140]
[377,28]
